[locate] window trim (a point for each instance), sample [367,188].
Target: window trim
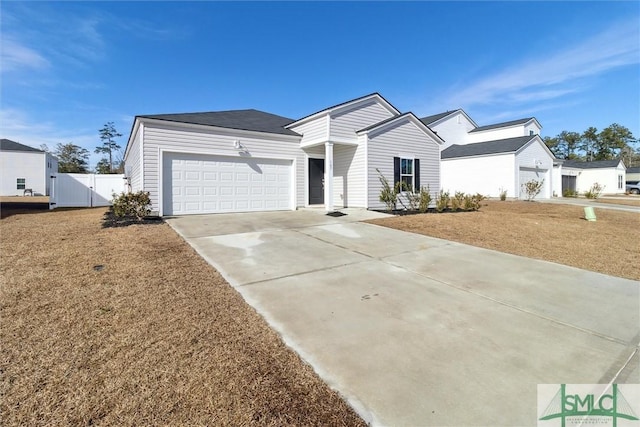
[620,182]
[412,174]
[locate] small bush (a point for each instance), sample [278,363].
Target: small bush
[388,194]
[472,202]
[594,192]
[425,199]
[503,194]
[532,188]
[136,205]
[457,201]
[442,201]
[569,193]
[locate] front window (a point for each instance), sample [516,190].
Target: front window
[22,183]
[406,174]
[620,183]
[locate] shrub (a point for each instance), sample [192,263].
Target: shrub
[532,188]
[425,199]
[472,202]
[594,192]
[442,201]
[136,205]
[569,193]
[388,194]
[457,200]
[503,194]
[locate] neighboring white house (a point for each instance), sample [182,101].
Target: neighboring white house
[580,176]
[25,168]
[494,158]
[249,160]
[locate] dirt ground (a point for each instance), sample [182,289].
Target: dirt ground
[129,326]
[551,232]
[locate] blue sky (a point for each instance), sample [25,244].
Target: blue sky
[69,67]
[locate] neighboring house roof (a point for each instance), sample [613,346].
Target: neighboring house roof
[406,116]
[500,146]
[635,169]
[434,118]
[597,164]
[9,145]
[251,120]
[505,124]
[331,109]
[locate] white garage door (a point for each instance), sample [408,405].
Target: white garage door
[195,184]
[528,174]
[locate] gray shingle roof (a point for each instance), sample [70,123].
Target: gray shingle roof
[503,124]
[590,165]
[509,145]
[9,145]
[252,120]
[634,169]
[434,118]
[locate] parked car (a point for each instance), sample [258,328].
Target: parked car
[633,188]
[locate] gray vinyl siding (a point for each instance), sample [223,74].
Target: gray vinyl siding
[402,139]
[203,141]
[531,152]
[342,162]
[132,165]
[345,124]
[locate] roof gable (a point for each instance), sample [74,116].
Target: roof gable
[250,120]
[507,124]
[346,105]
[597,164]
[407,117]
[500,146]
[434,119]
[9,145]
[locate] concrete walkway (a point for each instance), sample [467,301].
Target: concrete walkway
[598,204]
[418,331]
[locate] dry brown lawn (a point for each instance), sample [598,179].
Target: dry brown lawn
[153,337]
[546,231]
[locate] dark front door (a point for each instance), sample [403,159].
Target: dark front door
[316,181]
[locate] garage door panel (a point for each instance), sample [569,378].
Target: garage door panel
[213,184]
[529,174]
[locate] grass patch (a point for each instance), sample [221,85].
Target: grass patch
[129,326]
[551,232]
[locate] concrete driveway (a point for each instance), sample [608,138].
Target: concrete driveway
[419,331]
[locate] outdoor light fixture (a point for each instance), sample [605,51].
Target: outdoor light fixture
[237,145]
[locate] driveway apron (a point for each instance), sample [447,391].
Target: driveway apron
[419,331]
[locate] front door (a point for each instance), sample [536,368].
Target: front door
[316,181]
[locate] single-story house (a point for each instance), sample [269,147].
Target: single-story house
[494,158]
[250,160]
[579,176]
[25,168]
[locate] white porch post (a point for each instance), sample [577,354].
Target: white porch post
[328,176]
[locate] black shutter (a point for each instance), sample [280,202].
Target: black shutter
[396,170]
[416,174]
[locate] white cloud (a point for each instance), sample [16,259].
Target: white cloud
[558,73]
[16,56]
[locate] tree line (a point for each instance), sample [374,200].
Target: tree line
[75,159]
[613,142]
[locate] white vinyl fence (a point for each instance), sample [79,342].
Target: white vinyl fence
[84,190]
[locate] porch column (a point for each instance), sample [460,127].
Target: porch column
[328,176]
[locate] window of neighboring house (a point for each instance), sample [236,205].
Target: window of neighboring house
[22,183]
[620,182]
[406,173]
[530,133]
